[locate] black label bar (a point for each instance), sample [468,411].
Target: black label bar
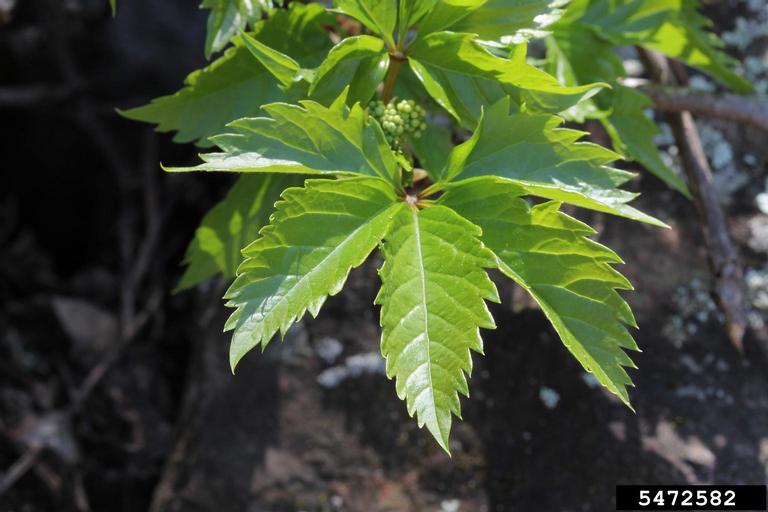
[691,497]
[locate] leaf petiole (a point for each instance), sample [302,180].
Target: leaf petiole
[431,190]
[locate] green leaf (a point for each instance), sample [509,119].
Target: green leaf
[533,151]
[113,6]
[686,38]
[236,84]
[233,86]
[447,13]
[232,224]
[571,277]
[672,27]
[495,20]
[576,54]
[409,13]
[564,50]
[633,135]
[316,236]
[462,77]
[227,18]
[622,20]
[281,66]
[297,31]
[378,15]
[432,296]
[432,148]
[303,139]
[358,62]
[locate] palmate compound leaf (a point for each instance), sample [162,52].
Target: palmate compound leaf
[672,27]
[532,151]
[307,139]
[571,277]
[316,236]
[433,290]
[584,40]
[236,84]
[232,224]
[462,77]
[576,54]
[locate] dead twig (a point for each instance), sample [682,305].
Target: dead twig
[723,258]
[730,107]
[729,277]
[30,457]
[19,468]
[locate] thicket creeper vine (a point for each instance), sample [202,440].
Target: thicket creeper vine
[329,116]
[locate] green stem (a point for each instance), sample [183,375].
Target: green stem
[395,61]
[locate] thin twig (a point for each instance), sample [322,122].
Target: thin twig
[731,107]
[19,468]
[723,258]
[729,278]
[80,497]
[99,371]
[79,397]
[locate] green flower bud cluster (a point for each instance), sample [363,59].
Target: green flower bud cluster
[399,118]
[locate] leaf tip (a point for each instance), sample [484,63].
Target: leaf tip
[444,444]
[234,360]
[180,287]
[171,169]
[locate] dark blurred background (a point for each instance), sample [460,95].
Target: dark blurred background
[115,394]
